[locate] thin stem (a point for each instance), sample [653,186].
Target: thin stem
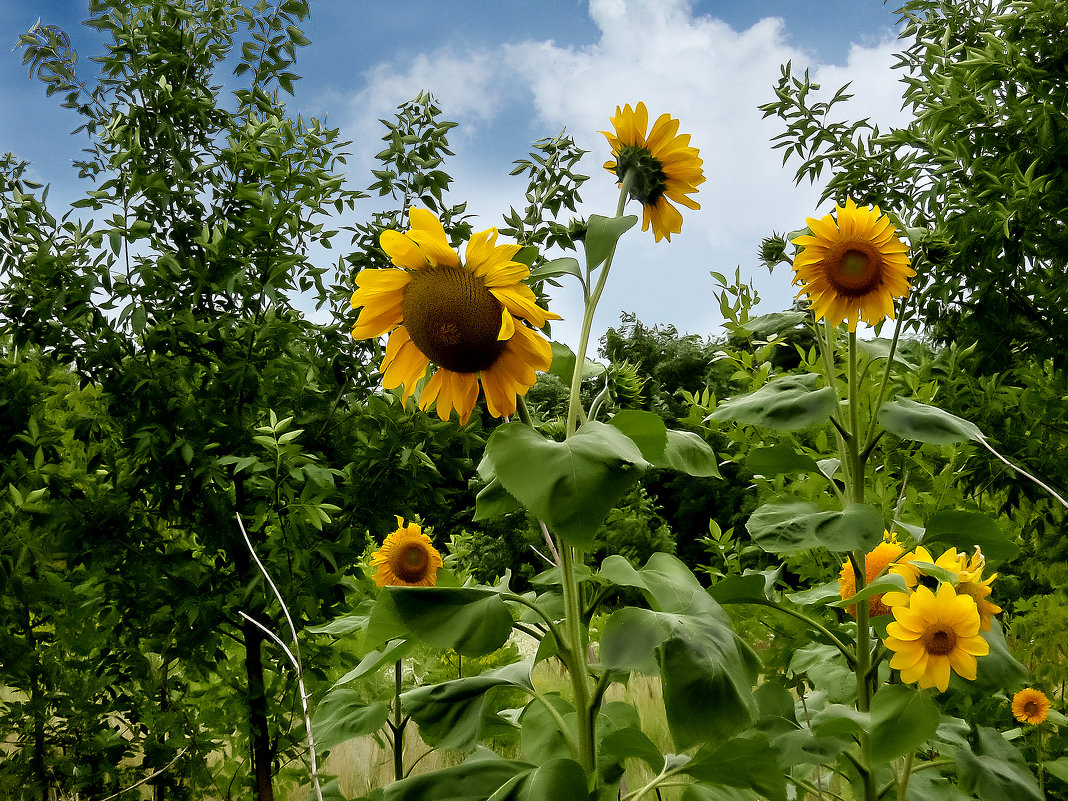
[294,658]
[398,725]
[846,652]
[587,317]
[881,395]
[577,666]
[1024,473]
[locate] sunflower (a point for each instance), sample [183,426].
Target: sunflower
[950,561]
[459,315]
[933,634]
[1030,706]
[407,558]
[971,582]
[875,562]
[852,268]
[664,166]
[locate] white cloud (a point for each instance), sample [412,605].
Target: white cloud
[697,68]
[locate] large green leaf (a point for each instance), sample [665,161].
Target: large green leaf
[999,670]
[471,620]
[917,421]
[665,581]
[557,267]
[902,719]
[675,450]
[340,717]
[707,672]
[450,714]
[541,737]
[745,761]
[996,770]
[571,485]
[964,530]
[474,780]
[602,233]
[789,528]
[785,404]
[779,459]
[493,500]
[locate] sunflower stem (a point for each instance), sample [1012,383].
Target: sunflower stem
[575,398]
[578,667]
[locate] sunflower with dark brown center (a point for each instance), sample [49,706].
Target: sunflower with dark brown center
[663,167]
[458,315]
[1030,706]
[933,635]
[407,558]
[854,267]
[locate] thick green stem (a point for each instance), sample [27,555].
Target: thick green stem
[575,655]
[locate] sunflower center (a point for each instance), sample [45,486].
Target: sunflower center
[453,319]
[1031,709]
[940,641]
[649,180]
[410,561]
[853,268]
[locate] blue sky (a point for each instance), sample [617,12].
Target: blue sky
[512,71]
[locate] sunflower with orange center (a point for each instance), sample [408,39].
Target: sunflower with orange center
[407,558]
[852,268]
[663,167]
[875,563]
[933,635]
[469,318]
[1030,706]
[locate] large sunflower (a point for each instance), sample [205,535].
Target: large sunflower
[1030,706]
[933,634]
[852,268]
[664,165]
[407,558]
[459,315]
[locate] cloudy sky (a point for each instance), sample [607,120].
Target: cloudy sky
[513,71]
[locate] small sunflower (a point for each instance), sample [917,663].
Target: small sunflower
[950,561]
[459,315]
[407,558]
[875,562]
[664,165]
[853,267]
[1030,706]
[934,634]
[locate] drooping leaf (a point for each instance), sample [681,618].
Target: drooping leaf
[540,735]
[911,420]
[902,719]
[450,714]
[602,233]
[785,404]
[471,620]
[667,583]
[474,780]
[778,459]
[745,761]
[393,650]
[557,267]
[965,529]
[996,770]
[493,500]
[789,528]
[340,717]
[575,483]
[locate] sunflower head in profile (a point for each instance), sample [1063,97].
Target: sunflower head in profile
[469,318]
[407,558]
[876,562]
[1030,706]
[934,634]
[664,168]
[852,268]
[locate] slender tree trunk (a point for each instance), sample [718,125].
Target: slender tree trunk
[259,736]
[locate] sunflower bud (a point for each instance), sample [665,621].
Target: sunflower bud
[626,384]
[773,250]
